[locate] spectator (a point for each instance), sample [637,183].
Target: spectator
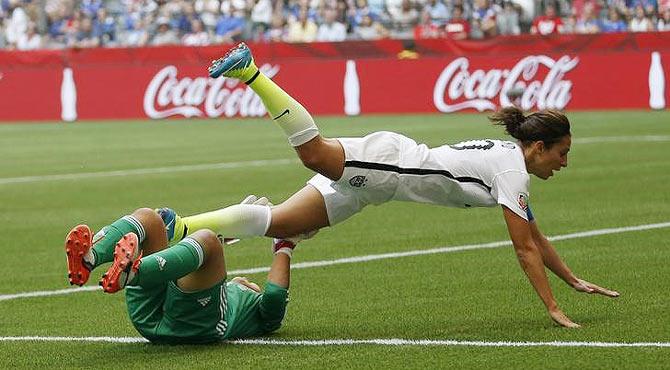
[230,27]
[403,19]
[613,22]
[208,11]
[55,28]
[105,27]
[476,32]
[570,25]
[457,28]
[90,8]
[508,19]
[664,21]
[185,19]
[466,7]
[164,34]
[368,29]
[85,36]
[331,29]
[579,6]
[71,26]
[356,13]
[137,36]
[640,22]
[547,24]
[277,31]
[302,29]
[588,23]
[198,36]
[485,16]
[378,8]
[294,9]
[261,17]
[649,6]
[17,23]
[426,29]
[439,14]
[30,40]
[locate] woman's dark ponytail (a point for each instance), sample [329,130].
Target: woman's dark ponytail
[511,118]
[548,126]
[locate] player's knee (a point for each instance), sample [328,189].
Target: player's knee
[149,219]
[145,213]
[210,243]
[206,238]
[311,159]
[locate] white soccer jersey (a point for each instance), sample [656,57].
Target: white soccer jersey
[387,166]
[476,173]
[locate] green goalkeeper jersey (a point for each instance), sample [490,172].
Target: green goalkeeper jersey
[250,313]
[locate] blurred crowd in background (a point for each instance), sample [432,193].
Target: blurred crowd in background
[49,24]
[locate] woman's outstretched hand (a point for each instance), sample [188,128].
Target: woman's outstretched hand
[586,287]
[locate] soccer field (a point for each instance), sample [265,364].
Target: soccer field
[391,272]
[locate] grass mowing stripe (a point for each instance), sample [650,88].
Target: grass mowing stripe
[372,257]
[147,171]
[350,342]
[620,139]
[261,163]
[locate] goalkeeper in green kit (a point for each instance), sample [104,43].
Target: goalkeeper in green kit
[175,278]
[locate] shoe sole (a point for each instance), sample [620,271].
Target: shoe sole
[235,65]
[124,254]
[77,244]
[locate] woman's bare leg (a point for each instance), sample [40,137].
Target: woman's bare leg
[324,156]
[304,211]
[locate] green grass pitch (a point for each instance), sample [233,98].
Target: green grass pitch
[476,295]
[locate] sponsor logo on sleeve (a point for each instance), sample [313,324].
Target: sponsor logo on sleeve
[523,201]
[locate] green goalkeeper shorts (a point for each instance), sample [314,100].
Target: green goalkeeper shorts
[166,314]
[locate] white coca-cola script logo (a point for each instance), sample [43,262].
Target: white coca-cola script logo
[168,95]
[479,88]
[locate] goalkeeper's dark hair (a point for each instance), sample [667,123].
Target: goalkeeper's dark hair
[549,126]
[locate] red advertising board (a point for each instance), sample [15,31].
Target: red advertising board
[620,71]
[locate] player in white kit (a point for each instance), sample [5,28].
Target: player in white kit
[385,166]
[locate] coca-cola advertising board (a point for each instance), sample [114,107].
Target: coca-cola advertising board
[159,83]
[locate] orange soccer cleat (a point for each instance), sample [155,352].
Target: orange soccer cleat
[127,258]
[77,244]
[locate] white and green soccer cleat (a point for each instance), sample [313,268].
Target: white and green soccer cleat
[236,63]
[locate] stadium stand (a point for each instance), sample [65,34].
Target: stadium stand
[54,24]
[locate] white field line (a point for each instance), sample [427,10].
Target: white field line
[147,171]
[372,257]
[260,163]
[350,342]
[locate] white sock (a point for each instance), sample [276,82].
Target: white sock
[236,221]
[286,251]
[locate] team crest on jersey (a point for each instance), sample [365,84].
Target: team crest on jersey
[523,201]
[358,181]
